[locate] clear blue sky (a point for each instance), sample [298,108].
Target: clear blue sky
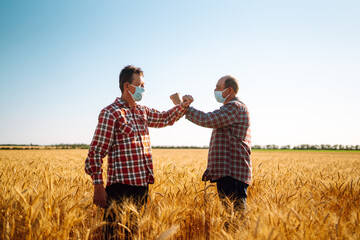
[297,62]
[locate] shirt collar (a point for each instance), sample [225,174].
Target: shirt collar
[124,103]
[235,99]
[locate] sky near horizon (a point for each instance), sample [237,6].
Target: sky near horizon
[297,63]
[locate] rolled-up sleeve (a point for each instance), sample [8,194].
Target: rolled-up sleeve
[159,119]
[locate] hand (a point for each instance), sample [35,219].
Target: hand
[187,100]
[176,98]
[100,195]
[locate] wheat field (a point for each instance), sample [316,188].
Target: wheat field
[45,194]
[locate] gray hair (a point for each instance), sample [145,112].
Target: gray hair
[230,81]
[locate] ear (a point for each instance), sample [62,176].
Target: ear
[227,91]
[126,86]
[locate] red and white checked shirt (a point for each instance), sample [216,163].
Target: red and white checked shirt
[230,143]
[122,134]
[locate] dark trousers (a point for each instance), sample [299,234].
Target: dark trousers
[232,190]
[120,193]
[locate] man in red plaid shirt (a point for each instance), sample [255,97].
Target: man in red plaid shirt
[229,163]
[122,134]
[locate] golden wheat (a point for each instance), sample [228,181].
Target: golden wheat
[45,194]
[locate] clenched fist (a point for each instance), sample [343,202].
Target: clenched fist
[176,98]
[187,100]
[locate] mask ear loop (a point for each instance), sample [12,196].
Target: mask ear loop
[227,95]
[129,90]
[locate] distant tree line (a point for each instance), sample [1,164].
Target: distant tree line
[19,145]
[268,146]
[86,146]
[179,147]
[309,147]
[18,148]
[69,146]
[36,147]
[78,146]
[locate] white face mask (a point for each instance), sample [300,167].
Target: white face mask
[139,92]
[219,97]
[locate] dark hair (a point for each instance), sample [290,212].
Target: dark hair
[126,75]
[232,82]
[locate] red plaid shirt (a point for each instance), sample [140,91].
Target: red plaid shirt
[122,134]
[230,146]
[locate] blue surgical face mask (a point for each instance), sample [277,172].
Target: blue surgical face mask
[139,91]
[219,97]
